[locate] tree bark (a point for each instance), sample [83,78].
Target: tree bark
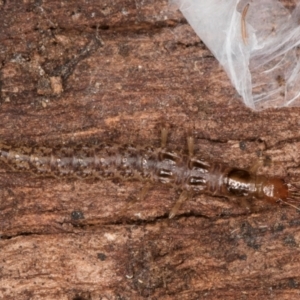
[76,72]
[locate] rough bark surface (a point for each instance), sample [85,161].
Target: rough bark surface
[76,239]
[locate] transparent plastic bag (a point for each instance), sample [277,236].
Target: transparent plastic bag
[256,41]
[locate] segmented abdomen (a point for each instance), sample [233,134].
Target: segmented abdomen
[125,162]
[102,161]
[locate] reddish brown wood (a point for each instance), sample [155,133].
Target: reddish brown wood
[66,239]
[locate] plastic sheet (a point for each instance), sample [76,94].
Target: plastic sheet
[256,41]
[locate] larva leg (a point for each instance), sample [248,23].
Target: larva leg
[139,197]
[256,165]
[164,137]
[184,195]
[190,143]
[260,162]
[246,204]
[143,192]
[182,198]
[262,159]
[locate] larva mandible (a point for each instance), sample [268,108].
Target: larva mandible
[189,173]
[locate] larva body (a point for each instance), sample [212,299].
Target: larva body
[191,174]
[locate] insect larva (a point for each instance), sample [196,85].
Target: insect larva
[243,24]
[188,173]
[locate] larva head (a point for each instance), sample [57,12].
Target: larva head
[275,190]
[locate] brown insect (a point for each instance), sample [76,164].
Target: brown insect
[243,24]
[189,173]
